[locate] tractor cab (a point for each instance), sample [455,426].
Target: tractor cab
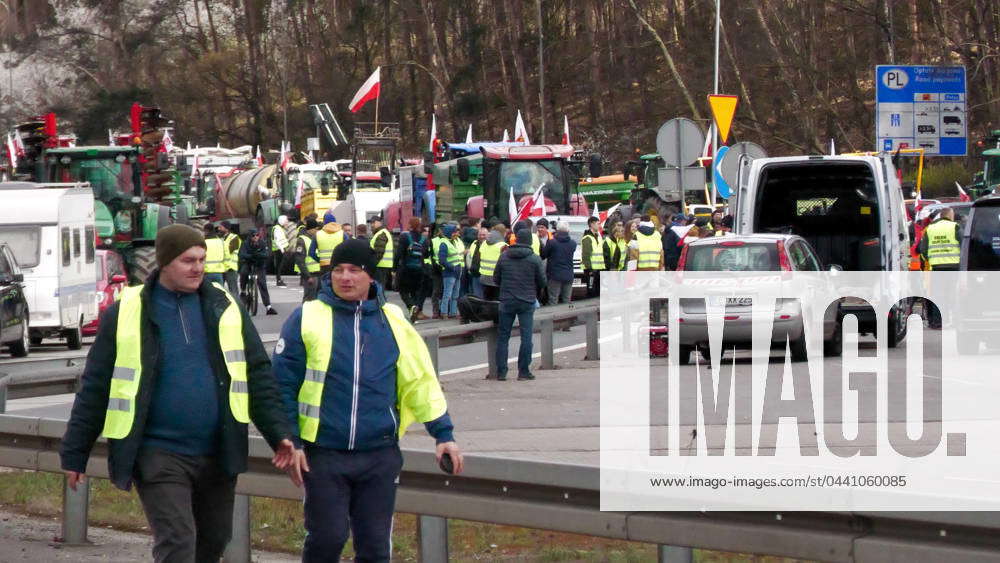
[521,171]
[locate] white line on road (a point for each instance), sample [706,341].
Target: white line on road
[533,356]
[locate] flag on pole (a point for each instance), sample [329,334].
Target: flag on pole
[513,213]
[259,158]
[168,143]
[962,195]
[18,144]
[11,153]
[506,137]
[565,139]
[596,212]
[309,158]
[603,216]
[536,203]
[194,167]
[286,156]
[298,191]
[706,150]
[520,133]
[434,132]
[111,138]
[188,146]
[468,135]
[368,91]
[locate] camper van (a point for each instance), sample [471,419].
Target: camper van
[849,208]
[50,228]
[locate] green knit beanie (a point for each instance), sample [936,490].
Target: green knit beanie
[174,240]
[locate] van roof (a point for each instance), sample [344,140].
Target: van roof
[36,202]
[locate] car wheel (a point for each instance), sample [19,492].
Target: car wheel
[684,354]
[20,348]
[896,328]
[74,339]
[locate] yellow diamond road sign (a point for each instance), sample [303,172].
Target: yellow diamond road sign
[723,109]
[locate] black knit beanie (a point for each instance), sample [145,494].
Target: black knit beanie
[357,252]
[174,240]
[523,237]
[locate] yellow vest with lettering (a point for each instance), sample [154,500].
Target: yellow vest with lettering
[943,248]
[418,394]
[127,373]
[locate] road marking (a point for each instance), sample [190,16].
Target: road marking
[533,356]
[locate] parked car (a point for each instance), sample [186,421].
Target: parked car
[111,280]
[980,252]
[751,253]
[13,305]
[962,210]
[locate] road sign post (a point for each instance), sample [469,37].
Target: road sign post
[921,107]
[679,142]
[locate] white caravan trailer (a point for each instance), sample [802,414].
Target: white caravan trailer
[50,229]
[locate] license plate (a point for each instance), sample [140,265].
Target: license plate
[739,301]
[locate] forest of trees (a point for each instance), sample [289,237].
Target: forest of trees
[244,71]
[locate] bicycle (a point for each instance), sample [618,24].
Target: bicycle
[250,293]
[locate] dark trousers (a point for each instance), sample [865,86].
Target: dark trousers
[188,502]
[560,292]
[411,281]
[278,262]
[265,297]
[384,277]
[525,314]
[593,280]
[437,290]
[230,277]
[310,287]
[350,491]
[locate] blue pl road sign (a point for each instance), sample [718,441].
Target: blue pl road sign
[721,186]
[921,106]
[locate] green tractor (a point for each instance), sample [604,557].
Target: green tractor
[988,180]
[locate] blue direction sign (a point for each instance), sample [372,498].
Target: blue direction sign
[921,106]
[721,186]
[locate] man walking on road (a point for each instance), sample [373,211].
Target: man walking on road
[175,375]
[279,245]
[355,374]
[519,275]
[231,243]
[940,247]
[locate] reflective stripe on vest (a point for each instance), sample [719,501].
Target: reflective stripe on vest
[942,245]
[610,244]
[312,266]
[127,372]
[489,255]
[325,245]
[650,250]
[418,393]
[387,258]
[596,252]
[215,256]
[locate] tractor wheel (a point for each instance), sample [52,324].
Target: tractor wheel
[74,337]
[143,263]
[198,224]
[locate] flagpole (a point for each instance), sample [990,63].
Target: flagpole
[376,113]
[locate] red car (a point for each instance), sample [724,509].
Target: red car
[111,280]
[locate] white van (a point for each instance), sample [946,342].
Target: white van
[50,228]
[849,208]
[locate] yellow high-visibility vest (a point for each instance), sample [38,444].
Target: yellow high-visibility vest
[215,256]
[596,252]
[943,248]
[387,257]
[279,238]
[127,373]
[489,255]
[536,244]
[418,394]
[610,244]
[455,249]
[650,251]
[232,258]
[312,266]
[325,245]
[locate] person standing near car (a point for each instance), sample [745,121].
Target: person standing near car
[592,256]
[558,255]
[354,376]
[940,247]
[520,276]
[254,256]
[279,244]
[174,377]
[231,243]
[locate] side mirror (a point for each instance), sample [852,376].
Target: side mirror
[463,169]
[596,166]
[119,278]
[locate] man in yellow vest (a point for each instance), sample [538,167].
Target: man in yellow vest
[382,245]
[175,375]
[231,242]
[940,247]
[486,263]
[355,374]
[327,239]
[647,248]
[306,259]
[215,256]
[592,256]
[279,245]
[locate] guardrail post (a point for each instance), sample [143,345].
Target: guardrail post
[593,345]
[491,353]
[433,341]
[74,516]
[238,550]
[433,535]
[548,354]
[3,393]
[674,554]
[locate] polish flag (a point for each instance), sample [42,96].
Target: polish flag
[706,150]
[565,139]
[286,156]
[595,213]
[520,132]
[468,135]
[536,203]
[603,216]
[512,210]
[194,167]
[434,132]
[506,137]
[19,144]
[962,195]
[259,158]
[368,91]
[11,153]
[168,143]
[298,191]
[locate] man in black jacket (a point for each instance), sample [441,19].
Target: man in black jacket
[254,256]
[174,376]
[519,275]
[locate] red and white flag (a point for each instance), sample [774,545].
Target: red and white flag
[368,91]
[11,153]
[534,207]
[259,158]
[520,133]
[512,210]
[168,143]
[565,139]
[468,135]
[19,144]
[706,150]
[194,167]
[506,137]
[298,191]
[595,213]
[603,216]
[434,132]
[286,156]
[962,195]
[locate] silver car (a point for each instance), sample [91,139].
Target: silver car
[777,253]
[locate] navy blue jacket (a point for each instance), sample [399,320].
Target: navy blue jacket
[558,254]
[360,331]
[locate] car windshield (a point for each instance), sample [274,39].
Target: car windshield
[984,239]
[25,242]
[751,257]
[527,177]
[313,179]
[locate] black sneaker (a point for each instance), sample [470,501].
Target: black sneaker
[280,284]
[271,311]
[526,377]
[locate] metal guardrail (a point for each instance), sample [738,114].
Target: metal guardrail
[563,497]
